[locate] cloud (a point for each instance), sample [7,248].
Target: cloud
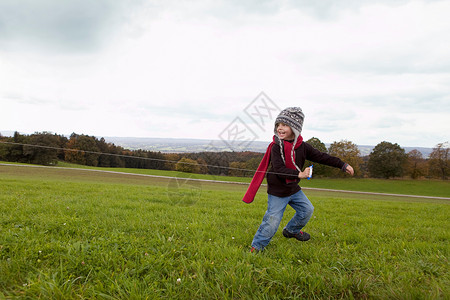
[60,26]
[27,100]
[132,67]
[329,118]
[235,9]
[331,10]
[375,37]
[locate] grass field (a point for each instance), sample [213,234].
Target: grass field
[436,188]
[74,234]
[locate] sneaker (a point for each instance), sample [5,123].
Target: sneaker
[301,236]
[254,250]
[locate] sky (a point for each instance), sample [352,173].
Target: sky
[361,71]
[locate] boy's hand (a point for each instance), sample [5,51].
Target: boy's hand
[304,174]
[349,170]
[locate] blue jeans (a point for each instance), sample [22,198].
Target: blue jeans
[272,218]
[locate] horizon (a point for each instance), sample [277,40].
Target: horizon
[10,133]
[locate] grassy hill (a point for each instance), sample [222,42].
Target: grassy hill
[80,234]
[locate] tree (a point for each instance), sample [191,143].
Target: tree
[202,166]
[349,153]
[42,155]
[319,169]
[218,162]
[137,159]
[252,164]
[83,147]
[439,161]
[171,160]
[39,148]
[187,165]
[15,152]
[11,152]
[237,169]
[4,148]
[103,147]
[415,165]
[364,166]
[387,160]
[62,142]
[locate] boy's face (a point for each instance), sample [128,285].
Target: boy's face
[285,132]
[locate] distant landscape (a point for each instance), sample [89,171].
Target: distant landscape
[173,145]
[199,145]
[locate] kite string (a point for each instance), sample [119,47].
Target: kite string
[138,157]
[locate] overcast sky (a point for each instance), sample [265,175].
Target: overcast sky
[363,71]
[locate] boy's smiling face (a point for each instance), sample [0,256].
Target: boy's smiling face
[285,132]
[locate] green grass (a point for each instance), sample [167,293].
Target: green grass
[69,234]
[437,188]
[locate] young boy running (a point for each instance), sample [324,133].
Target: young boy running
[286,156]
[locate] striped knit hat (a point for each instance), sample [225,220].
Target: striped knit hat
[292,116]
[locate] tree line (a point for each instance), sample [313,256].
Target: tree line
[45,148]
[387,160]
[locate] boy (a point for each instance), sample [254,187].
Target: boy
[286,155]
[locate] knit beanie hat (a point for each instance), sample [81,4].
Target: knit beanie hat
[292,116]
